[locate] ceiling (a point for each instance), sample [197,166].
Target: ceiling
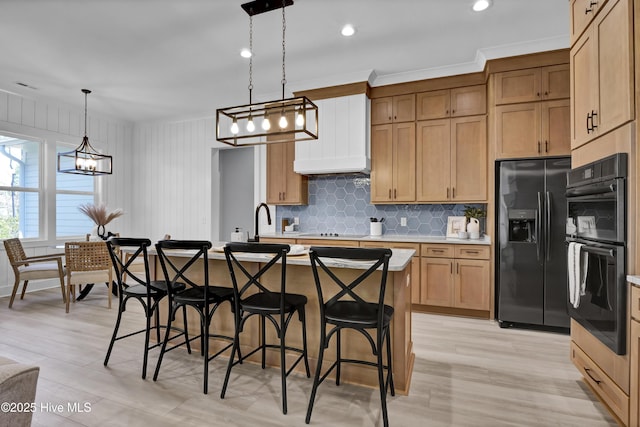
[170,59]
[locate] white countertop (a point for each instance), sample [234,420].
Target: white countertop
[634,280]
[485,240]
[400,258]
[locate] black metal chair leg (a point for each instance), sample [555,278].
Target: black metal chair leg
[115,333]
[381,382]
[338,356]
[205,350]
[263,342]
[316,378]
[164,344]
[147,333]
[304,343]
[283,368]
[186,333]
[236,343]
[390,364]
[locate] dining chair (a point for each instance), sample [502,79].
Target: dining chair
[344,306]
[133,278]
[87,263]
[32,268]
[198,294]
[252,298]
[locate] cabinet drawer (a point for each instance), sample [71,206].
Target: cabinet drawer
[635,302]
[472,252]
[277,240]
[392,245]
[604,386]
[437,251]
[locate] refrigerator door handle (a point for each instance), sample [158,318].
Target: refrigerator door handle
[538,226]
[547,226]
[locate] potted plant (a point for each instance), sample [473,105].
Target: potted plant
[100,216]
[474,215]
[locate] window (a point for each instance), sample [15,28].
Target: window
[31,189]
[71,192]
[20,187]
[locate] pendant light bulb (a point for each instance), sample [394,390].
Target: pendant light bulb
[299,118]
[266,124]
[234,127]
[250,125]
[283,123]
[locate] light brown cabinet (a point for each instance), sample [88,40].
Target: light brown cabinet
[451,160]
[455,276]
[415,263]
[458,102]
[634,358]
[532,84]
[533,129]
[602,78]
[393,109]
[393,163]
[582,13]
[284,186]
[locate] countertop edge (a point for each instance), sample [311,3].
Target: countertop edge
[635,280]
[395,238]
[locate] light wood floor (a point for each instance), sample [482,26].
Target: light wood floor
[467,373]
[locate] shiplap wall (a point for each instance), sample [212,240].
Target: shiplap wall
[53,122]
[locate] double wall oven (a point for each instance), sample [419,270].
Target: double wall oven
[596,219]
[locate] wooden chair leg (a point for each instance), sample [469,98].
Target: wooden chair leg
[24,289]
[15,289]
[64,297]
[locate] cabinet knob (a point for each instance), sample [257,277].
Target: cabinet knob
[453,111]
[446,112]
[389,193]
[546,93]
[447,192]
[538,147]
[453,192]
[395,193]
[546,146]
[538,94]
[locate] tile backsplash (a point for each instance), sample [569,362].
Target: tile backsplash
[342,204]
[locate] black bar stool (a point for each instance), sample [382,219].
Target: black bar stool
[276,306]
[204,298]
[134,282]
[346,309]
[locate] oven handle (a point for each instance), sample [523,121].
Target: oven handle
[589,191]
[599,251]
[538,227]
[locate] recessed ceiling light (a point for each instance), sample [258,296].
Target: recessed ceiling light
[245,53]
[481,5]
[348,30]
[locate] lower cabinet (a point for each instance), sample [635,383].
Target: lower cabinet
[456,276]
[634,358]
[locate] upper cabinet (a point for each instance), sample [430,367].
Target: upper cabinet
[458,102]
[533,129]
[532,84]
[393,109]
[393,163]
[602,78]
[451,160]
[284,186]
[343,138]
[582,13]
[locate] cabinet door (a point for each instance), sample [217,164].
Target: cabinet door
[556,132]
[615,65]
[404,162]
[469,158]
[436,277]
[433,155]
[518,130]
[555,81]
[634,383]
[517,86]
[276,174]
[381,163]
[583,88]
[469,101]
[471,284]
[295,185]
[433,105]
[382,110]
[404,108]
[582,12]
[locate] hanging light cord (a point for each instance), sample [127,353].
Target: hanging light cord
[85,113]
[284,26]
[250,57]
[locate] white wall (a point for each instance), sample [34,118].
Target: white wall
[56,122]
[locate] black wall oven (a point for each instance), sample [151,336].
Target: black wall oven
[596,210]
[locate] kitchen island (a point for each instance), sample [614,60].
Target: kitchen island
[300,280]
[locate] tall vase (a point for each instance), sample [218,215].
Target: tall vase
[101,231]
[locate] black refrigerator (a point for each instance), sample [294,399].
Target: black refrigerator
[531,261]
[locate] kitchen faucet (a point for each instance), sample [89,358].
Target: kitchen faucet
[256,237]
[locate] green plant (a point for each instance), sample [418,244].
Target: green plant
[474,212]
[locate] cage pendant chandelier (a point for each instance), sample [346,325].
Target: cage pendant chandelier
[283,120]
[84,160]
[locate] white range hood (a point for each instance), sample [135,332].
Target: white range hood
[343,144]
